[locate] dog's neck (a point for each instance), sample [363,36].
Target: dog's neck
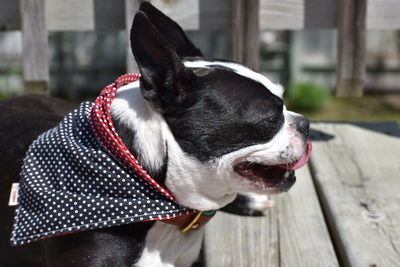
[148,137]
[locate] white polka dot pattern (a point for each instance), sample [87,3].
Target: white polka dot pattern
[72,180]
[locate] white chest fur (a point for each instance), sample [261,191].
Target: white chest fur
[167,247]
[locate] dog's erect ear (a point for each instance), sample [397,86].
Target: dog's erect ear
[165,81]
[170,31]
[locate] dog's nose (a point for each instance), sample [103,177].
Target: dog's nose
[303,125]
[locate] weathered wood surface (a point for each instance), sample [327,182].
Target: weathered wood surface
[81,15]
[293,233]
[35,46]
[232,240]
[357,175]
[351,48]
[65,15]
[383,14]
[246,32]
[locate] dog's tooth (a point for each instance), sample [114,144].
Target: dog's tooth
[286,175]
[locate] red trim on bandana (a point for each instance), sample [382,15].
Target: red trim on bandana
[100,118]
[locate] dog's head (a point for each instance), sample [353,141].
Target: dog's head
[227,129]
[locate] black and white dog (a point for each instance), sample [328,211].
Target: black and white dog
[205,129]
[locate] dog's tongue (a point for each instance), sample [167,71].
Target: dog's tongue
[302,161]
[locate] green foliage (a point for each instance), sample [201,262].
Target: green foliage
[307,97]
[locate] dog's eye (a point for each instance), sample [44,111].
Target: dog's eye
[272,119]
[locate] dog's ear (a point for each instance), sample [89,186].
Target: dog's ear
[171,31]
[165,81]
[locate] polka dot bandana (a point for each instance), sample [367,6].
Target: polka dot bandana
[79,176]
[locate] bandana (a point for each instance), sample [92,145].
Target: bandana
[80,175]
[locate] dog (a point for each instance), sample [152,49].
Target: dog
[206,130]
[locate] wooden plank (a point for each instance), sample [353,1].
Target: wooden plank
[252,35]
[241,241]
[35,45]
[238,23]
[293,233]
[357,176]
[298,14]
[302,228]
[76,15]
[246,32]
[351,48]
[283,14]
[70,15]
[383,14]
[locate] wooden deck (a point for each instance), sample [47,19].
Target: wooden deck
[344,209]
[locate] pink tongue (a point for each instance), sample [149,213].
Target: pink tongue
[303,160]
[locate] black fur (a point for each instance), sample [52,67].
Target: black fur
[171,32]
[241,206]
[230,112]
[115,246]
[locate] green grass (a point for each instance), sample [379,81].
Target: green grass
[367,108]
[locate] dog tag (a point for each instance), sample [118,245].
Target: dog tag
[13,201]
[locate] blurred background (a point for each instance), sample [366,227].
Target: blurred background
[303,59]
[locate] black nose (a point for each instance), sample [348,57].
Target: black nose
[303,125]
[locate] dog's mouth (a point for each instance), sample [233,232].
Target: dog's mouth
[276,177]
[279,177]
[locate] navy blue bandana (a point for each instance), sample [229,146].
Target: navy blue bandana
[72,181]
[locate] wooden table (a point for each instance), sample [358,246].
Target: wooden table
[344,209]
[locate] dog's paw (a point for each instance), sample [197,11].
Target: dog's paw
[249,204]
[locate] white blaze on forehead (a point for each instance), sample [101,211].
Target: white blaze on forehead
[276,89]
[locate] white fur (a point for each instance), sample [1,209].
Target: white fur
[131,109]
[259,202]
[276,89]
[167,247]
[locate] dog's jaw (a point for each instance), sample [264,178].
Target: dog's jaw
[195,184]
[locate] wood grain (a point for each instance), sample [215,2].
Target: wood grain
[238,241]
[383,14]
[357,176]
[293,233]
[80,15]
[283,14]
[351,48]
[303,235]
[246,32]
[34,43]
[69,15]
[238,30]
